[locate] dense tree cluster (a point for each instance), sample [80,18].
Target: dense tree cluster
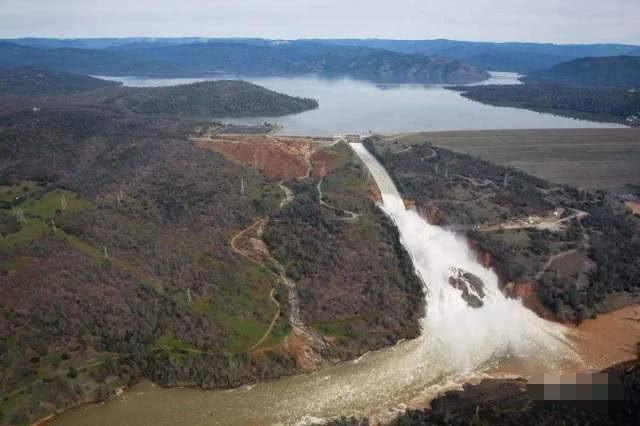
[31,82]
[355,281]
[223,98]
[607,104]
[139,255]
[610,71]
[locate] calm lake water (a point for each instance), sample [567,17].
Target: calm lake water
[353,106]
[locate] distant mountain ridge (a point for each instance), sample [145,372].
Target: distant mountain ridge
[509,56]
[243,58]
[615,71]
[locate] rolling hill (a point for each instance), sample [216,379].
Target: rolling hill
[613,71]
[608,104]
[31,81]
[518,57]
[28,88]
[214,99]
[245,59]
[511,56]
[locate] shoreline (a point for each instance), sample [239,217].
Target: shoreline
[601,342]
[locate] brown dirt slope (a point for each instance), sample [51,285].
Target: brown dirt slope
[277,157]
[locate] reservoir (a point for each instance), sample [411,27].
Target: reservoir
[354,106]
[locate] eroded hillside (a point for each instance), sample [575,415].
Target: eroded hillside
[568,253]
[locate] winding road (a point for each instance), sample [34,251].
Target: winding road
[352,215]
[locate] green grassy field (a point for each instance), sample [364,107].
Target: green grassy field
[605,159]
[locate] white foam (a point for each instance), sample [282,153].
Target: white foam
[466,337]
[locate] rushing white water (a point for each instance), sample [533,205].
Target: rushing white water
[466,336]
[456,343]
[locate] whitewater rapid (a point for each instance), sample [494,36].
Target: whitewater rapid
[457,343]
[466,336]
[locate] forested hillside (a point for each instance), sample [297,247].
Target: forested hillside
[597,103]
[222,98]
[116,261]
[613,71]
[511,56]
[27,89]
[117,255]
[31,81]
[245,59]
[356,282]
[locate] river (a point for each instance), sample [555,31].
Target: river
[457,344]
[354,106]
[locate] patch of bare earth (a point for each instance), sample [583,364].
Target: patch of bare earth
[249,243]
[634,206]
[275,156]
[526,292]
[301,347]
[324,161]
[609,339]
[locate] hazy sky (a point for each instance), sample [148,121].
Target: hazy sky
[559,21]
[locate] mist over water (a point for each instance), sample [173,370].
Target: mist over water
[466,337]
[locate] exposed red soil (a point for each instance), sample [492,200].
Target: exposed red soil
[374,194]
[277,157]
[527,294]
[300,347]
[609,339]
[634,206]
[324,161]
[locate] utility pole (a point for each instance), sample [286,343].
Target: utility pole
[242,186]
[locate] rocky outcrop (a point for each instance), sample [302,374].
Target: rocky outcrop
[471,286]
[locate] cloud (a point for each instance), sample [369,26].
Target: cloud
[562,21]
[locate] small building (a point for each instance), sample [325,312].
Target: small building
[352,138]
